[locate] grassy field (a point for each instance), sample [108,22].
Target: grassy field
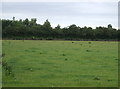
[38,63]
[0,64]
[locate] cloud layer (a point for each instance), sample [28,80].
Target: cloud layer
[64,13]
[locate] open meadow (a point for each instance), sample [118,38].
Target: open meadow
[40,63]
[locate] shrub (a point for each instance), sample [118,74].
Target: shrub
[3,54]
[7,68]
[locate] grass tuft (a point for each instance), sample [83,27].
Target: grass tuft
[88,51]
[66,59]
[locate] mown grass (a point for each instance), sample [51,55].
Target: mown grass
[61,63]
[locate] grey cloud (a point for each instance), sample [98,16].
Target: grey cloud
[80,13]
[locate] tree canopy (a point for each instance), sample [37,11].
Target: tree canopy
[29,29]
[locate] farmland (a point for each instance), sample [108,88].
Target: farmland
[36,63]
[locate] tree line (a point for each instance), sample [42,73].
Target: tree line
[29,29]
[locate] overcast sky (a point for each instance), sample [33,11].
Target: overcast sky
[82,13]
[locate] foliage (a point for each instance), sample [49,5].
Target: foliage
[26,29]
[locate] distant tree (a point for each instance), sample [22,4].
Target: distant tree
[58,27]
[47,25]
[13,18]
[29,29]
[87,32]
[72,30]
[26,22]
[47,29]
[33,21]
[109,26]
[20,20]
[118,34]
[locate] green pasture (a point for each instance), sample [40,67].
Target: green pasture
[36,63]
